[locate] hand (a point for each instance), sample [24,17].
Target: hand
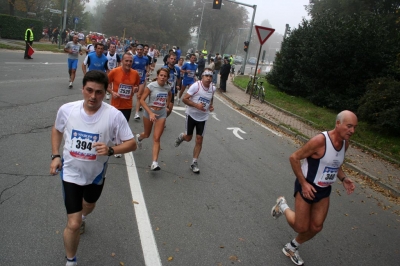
[308,191]
[115,94]
[135,89]
[211,108]
[153,117]
[55,166]
[101,148]
[348,184]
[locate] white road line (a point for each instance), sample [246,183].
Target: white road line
[149,245]
[258,123]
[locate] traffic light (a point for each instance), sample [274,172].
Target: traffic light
[217,4]
[246,46]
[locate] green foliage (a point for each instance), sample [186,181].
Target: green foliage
[330,59]
[380,106]
[15,27]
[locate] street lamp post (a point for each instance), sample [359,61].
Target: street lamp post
[201,21]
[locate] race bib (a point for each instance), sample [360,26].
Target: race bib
[161,100]
[140,71]
[82,145]
[125,91]
[205,102]
[328,176]
[111,63]
[190,74]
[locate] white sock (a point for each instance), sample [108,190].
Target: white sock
[155,162]
[194,160]
[283,207]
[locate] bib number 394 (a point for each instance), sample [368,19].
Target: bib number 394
[82,145]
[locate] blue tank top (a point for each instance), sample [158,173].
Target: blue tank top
[97,63]
[140,64]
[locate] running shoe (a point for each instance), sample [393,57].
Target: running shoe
[70,84]
[195,168]
[137,117]
[155,166]
[82,229]
[293,255]
[117,155]
[138,142]
[71,262]
[179,140]
[276,210]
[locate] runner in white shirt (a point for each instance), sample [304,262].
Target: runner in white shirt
[89,127]
[199,101]
[113,61]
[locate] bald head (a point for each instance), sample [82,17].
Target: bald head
[345,115]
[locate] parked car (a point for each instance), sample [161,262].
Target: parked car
[238,60]
[252,61]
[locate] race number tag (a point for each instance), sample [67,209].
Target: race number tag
[111,63]
[190,74]
[125,91]
[205,102]
[140,72]
[328,176]
[82,145]
[161,99]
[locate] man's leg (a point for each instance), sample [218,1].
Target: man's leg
[72,74]
[197,146]
[26,50]
[72,234]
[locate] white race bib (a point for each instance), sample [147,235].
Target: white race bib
[161,100]
[82,145]
[328,176]
[125,91]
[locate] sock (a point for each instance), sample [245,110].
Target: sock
[155,162]
[194,160]
[283,207]
[83,217]
[73,259]
[294,244]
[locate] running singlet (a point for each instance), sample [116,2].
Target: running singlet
[140,64]
[323,172]
[124,85]
[158,94]
[174,75]
[81,164]
[200,94]
[112,60]
[191,71]
[96,63]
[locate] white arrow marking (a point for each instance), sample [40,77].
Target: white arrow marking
[214,115]
[178,108]
[235,131]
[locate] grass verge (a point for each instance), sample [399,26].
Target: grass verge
[324,119]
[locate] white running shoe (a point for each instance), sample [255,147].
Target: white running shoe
[155,166]
[71,263]
[195,168]
[138,142]
[107,96]
[136,117]
[276,210]
[293,255]
[70,84]
[117,155]
[179,140]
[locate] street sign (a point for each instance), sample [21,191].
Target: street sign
[76,20]
[263,33]
[55,11]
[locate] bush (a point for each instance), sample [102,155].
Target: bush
[380,106]
[15,27]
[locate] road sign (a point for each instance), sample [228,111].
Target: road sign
[263,33]
[55,11]
[76,20]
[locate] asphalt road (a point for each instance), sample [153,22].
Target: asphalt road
[219,217]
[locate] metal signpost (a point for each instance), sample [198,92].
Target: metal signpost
[263,34]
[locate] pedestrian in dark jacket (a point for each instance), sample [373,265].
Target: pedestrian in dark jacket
[201,64]
[224,73]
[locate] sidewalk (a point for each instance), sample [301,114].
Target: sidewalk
[364,163]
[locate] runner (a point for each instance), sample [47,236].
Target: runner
[155,114]
[88,127]
[113,61]
[146,53]
[174,80]
[73,48]
[141,65]
[323,157]
[189,77]
[90,47]
[96,61]
[199,101]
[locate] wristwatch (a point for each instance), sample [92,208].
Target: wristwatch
[55,156]
[110,151]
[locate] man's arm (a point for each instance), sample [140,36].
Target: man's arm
[186,100]
[56,138]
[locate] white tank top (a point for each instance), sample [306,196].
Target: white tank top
[112,60]
[81,165]
[200,94]
[323,172]
[151,53]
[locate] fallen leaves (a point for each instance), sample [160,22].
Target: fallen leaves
[170,258]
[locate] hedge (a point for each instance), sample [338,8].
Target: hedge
[15,27]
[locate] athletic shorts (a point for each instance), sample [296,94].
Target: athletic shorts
[126,113]
[322,192]
[155,60]
[191,124]
[187,82]
[72,63]
[73,195]
[172,98]
[162,113]
[142,81]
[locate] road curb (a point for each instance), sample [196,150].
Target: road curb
[392,191]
